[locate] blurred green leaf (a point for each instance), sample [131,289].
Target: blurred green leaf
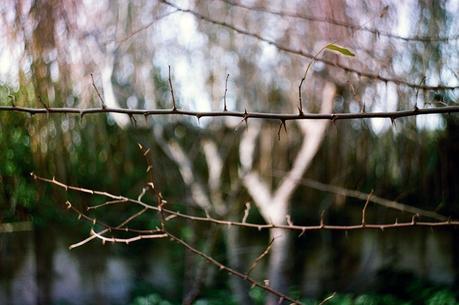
[342,50]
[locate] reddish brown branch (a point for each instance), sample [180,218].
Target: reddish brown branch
[302,229]
[233,272]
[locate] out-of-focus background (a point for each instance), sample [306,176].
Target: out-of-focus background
[48,51]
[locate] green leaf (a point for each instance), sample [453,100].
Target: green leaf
[342,50]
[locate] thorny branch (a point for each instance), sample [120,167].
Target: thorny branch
[245,115]
[305,54]
[208,219]
[158,234]
[167,214]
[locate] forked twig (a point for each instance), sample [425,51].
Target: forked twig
[260,257]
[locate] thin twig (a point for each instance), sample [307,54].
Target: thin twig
[232,271]
[102,102]
[327,298]
[365,208]
[260,257]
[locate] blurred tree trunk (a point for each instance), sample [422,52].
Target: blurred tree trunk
[274,204]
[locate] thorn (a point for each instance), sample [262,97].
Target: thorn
[280,128]
[12,98]
[333,119]
[43,103]
[289,220]
[226,89]
[279,131]
[246,212]
[132,119]
[174,106]
[302,232]
[300,111]
[392,119]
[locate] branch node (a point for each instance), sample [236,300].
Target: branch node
[392,120]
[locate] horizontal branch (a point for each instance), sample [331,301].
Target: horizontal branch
[239,114]
[353,27]
[392,204]
[290,226]
[305,54]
